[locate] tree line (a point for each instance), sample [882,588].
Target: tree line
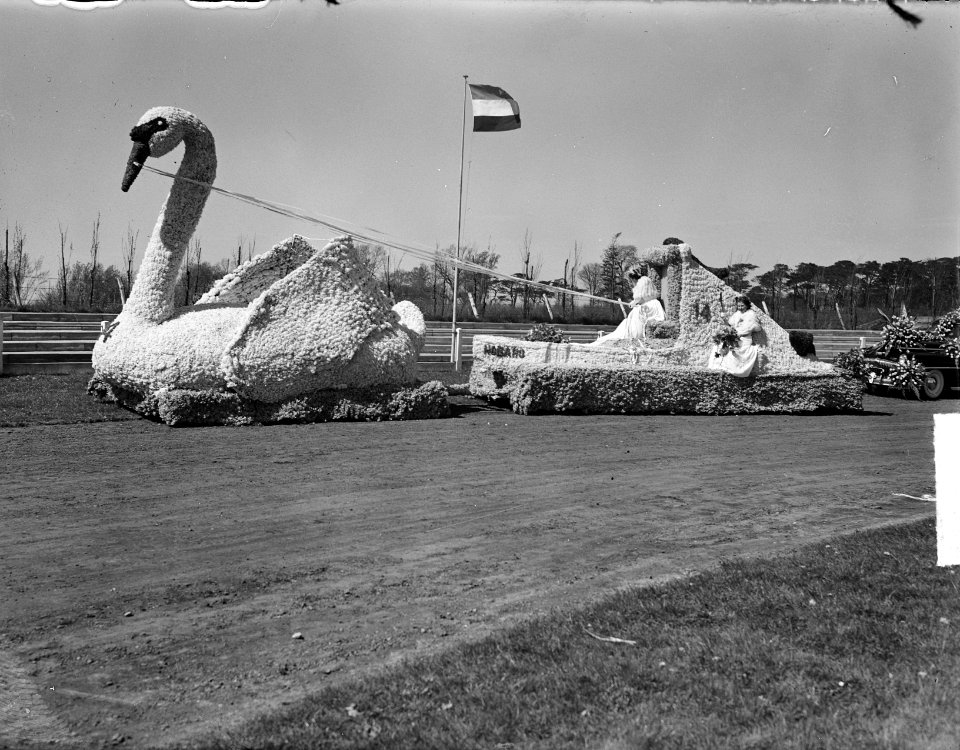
[845,294]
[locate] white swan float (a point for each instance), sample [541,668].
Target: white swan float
[290,322]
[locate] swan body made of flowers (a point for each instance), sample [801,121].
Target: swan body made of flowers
[291,321]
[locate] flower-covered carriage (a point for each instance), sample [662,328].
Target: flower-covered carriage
[663,375]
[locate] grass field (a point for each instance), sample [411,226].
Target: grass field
[848,644]
[52,399]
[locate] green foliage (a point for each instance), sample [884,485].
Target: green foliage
[545,332]
[851,363]
[616,260]
[663,329]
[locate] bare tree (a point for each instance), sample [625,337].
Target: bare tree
[570,268]
[531,269]
[385,278]
[592,275]
[129,250]
[6,267]
[389,272]
[26,273]
[478,283]
[197,252]
[193,257]
[94,249]
[442,278]
[371,258]
[62,281]
[19,239]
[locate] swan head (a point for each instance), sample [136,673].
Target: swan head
[157,133]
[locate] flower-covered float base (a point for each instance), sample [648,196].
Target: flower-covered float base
[187,408]
[533,388]
[670,374]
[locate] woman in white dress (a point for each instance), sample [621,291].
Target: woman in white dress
[644,307]
[739,360]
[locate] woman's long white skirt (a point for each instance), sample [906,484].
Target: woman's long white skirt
[739,361]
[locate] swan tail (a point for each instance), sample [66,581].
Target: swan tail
[410,319]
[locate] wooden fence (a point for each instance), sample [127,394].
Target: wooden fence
[62,342]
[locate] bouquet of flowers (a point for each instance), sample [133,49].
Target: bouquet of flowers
[901,333]
[545,332]
[907,373]
[726,338]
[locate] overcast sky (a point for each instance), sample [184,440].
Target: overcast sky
[766,133]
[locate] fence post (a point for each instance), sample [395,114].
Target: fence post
[863,342]
[456,347]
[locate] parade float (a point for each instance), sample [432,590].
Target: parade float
[667,370]
[296,334]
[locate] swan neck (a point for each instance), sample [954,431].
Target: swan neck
[152,296]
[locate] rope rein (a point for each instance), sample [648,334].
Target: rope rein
[337,226]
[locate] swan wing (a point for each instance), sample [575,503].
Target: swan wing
[251,279]
[303,331]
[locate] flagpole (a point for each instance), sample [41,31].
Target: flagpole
[456,266]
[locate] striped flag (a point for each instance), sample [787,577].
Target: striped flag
[493,109]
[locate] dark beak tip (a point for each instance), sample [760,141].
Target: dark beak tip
[138,155]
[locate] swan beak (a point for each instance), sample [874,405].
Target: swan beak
[135,163]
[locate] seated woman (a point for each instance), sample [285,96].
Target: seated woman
[644,307]
[741,359]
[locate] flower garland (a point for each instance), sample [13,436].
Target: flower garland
[661,256]
[951,347]
[946,324]
[941,333]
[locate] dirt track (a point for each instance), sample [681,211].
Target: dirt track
[151,579]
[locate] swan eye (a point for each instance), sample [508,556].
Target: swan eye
[161,123]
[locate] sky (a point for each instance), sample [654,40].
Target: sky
[779,132]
